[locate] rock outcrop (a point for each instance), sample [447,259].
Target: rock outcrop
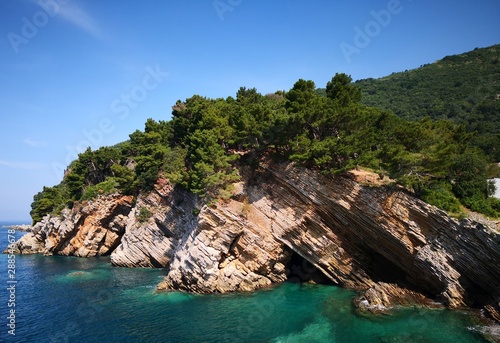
[91,228]
[151,242]
[291,222]
[225,252]
[23,227]
[286,222]
[381,297]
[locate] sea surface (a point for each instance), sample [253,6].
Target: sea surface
[67,299]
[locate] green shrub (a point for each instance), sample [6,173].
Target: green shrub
[461,215]
[103,188]
[144,215]
[495,205]
[493,171]
[440,195]
[481,205]
[51,200]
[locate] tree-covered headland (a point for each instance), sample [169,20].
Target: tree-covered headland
[206,140]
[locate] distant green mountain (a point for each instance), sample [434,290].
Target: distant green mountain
[464,88]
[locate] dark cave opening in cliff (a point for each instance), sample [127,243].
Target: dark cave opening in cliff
[382,269]
[299,270]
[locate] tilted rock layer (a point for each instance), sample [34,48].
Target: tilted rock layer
[151,242]
[286,222]
[88,229]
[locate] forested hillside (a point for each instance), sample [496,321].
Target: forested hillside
[206,140]
[464,88]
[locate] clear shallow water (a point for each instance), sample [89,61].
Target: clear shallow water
[61,299]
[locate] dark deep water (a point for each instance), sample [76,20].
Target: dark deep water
[65,299]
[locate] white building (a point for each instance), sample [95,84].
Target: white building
[497,192]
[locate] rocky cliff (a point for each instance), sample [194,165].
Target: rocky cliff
[88,229]
[285,222]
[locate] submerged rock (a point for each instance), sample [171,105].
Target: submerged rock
[382,297]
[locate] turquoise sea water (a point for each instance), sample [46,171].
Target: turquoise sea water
[65,299]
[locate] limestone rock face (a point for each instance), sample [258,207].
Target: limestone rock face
[89,229]
[292,222]
[153,241]
[358,236]
[288,223]
[226,252]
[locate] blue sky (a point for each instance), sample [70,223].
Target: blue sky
[80,73]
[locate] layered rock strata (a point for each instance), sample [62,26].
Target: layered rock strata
[286,222]
[151,241]
[88,229]
[355,236]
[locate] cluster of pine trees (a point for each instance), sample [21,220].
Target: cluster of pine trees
[200,148]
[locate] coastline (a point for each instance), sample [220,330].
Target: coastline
[18,227]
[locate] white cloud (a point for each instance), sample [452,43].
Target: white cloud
[79,18]
[22,165]
[76,16]
[34,143]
